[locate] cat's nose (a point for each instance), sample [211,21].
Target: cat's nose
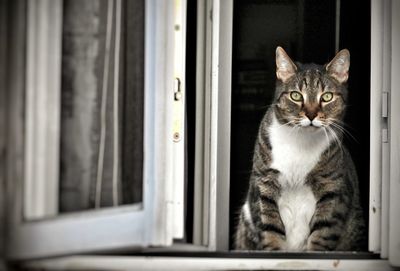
[311,114]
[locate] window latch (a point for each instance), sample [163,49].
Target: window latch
[177,90]
[178,111]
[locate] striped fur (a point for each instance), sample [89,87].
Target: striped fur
[303,193]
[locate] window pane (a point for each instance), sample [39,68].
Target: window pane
[102,104]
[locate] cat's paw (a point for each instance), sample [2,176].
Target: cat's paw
[317,243]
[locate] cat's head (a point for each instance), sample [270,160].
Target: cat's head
[309,95]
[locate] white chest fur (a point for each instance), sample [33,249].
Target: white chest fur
[296,207]
[295,152]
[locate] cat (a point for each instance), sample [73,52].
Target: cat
[303,193]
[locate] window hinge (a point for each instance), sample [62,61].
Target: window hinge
[385,115]
[385,136]
[385,104]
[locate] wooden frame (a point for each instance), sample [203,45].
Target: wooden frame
[384,235]
[179,120]
[43,97]
[384,221]
[205,263]
[378,149]
[200,221]
[394,137]
[221,79]
[213,118]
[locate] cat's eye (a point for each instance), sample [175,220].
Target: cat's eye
[296,96]
[327,96]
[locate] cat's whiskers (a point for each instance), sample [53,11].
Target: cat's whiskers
[327,139]
[296,127]
[342,129]
[336,138]
[287,123]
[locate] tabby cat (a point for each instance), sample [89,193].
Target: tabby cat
[303,193]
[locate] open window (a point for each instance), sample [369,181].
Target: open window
[97,119]
[134,129]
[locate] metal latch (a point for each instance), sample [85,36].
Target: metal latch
[177,111]
[177,90]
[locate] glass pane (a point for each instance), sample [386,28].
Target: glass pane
[102,104]
[309,32]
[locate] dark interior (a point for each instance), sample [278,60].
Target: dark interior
[307,31]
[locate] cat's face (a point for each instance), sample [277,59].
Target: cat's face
[311,96]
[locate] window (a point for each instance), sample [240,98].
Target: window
[87,71]
[134,127]
[101,142]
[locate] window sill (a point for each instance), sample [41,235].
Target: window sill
[216,261]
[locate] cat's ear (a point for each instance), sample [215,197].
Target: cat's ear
[338,68]
[285,68]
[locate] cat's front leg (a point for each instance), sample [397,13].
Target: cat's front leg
[327,223]
[272,230]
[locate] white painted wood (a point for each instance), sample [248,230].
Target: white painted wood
[213,109]
[213,105]
[191,263]
[207,121]
[385,190]
[220,120]
[178,136]
[203,122]
[394,138]
[383,74]
[78,234]
[43,81]
[385,70]
[375,176]
[158,140]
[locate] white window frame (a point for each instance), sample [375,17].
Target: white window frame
[44,234]
[394,138]
[378,149]
[213,123]
[205,263]
[384,221]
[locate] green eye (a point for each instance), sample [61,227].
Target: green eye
[296,96]
[327,96]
